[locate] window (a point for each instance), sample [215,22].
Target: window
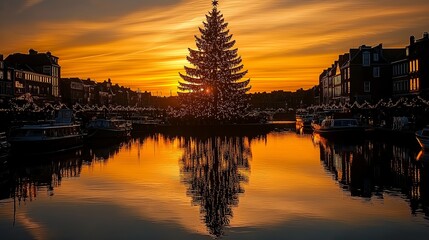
[375,57]
[366,61]
[414,65]
[1,75]
[9,75]
[414,84]
[1,65]
[376,72]
[367,87]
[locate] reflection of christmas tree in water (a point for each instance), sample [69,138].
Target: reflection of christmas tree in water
[212,89]
[214,169]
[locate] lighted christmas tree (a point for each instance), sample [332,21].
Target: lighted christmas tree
[213,88]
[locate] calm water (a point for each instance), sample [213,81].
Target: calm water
[276,186]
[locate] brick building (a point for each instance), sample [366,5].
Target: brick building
[6,81]
[35,73]
[362,74]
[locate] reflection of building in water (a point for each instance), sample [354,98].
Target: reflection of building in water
[23,180]
[214,168]
[372,168]
[102,151]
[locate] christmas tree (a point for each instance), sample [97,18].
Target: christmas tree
[212,89]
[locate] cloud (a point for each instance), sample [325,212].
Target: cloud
[31,3]
[284,44]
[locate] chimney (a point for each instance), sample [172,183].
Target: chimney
[412,40]
[1,57]
[425,35]
[32,52]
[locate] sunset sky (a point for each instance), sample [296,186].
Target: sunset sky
[143,44]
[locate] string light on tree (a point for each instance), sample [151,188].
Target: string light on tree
[213,88]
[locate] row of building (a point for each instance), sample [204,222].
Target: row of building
[362,74]
[373,73]
[39,74]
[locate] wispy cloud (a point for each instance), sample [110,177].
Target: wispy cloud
[284,44]
[30,3]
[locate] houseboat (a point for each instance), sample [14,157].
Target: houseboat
[338,128]
[47,136]
[423,137]
[106,129]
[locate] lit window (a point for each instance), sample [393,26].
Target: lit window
[417,84]
[367,86]
[414,84]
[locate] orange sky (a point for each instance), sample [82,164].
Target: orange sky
[284,44]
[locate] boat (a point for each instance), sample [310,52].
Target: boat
[4,145]
[106,129]
[303,121]
[338,128]
[144,123]
[46,136]
[423,137]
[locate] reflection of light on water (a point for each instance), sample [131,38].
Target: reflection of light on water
[185,182]
[316,138]
[37,230]
[422,156]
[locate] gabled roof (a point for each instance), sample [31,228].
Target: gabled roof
[31,60]
[89,82]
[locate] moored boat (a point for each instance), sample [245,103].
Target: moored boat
[338,128]
[4,145]
[303,121]
[144,123]
[46,137]
[423,137]
[106,129]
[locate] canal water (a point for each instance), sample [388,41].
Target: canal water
[281,185]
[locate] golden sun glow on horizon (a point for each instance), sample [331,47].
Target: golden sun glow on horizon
[285,45]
